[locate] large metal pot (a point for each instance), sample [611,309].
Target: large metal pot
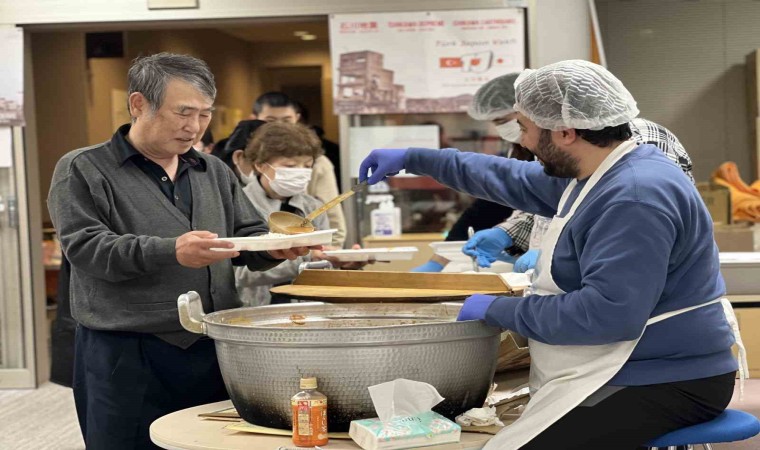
[263,352]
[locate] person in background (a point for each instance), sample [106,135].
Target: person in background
[629,335]
[644,132]
[510,240]
[648,132]
[137,236]
[206,143]
[233,152]
[218,150]
[523,231]
[331,149]
[493,102]
[282,155]
[278,107]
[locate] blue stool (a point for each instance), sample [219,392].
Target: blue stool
[730,426]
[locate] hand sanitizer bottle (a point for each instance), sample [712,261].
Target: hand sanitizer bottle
[385,220]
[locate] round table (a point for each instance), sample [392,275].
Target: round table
[184,430]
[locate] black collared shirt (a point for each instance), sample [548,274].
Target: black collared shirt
[179,192]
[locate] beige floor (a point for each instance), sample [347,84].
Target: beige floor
[39,419]
[45,418]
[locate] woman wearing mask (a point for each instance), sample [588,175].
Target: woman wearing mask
[280,156]
[322,186]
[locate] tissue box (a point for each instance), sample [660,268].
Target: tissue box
[424,429]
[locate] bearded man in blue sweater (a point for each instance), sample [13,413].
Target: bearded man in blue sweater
[628,333]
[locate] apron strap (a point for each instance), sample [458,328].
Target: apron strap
[670,314]
[612,159]
[728,310]
[734,324]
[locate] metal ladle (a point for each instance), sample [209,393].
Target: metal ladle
[289,223]
[470,234]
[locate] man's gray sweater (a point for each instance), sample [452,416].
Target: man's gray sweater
[119,231]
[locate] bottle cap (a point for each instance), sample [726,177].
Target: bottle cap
[308,383]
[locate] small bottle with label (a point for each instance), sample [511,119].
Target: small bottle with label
[309,415]
[385,220]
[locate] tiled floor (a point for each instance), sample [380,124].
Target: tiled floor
[39,419]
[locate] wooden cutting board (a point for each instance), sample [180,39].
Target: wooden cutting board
[352,286]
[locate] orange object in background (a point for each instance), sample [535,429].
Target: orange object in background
[309,415]
[745,199]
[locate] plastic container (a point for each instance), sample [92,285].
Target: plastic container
[309,415]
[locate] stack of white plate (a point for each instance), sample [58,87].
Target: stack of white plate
[459,262]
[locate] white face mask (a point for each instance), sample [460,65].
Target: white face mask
[246,178]
[509,131]
[289,181]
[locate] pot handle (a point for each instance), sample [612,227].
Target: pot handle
[191,312]
[323,264]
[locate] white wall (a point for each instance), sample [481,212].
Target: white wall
[558,30]
[684,63]
[84,11]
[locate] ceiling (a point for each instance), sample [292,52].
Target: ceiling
[276,31]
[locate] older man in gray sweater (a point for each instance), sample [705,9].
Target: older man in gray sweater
[137,217]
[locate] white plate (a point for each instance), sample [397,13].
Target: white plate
[456,266]
[278,241]
[451,250]
[374,254]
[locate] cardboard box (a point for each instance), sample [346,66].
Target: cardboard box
[735,238]
[513,352]
[718,201]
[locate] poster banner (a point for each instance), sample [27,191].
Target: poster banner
[421,62]
[11,76]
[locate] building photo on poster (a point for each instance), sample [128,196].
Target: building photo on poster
[11,76]
[421,62]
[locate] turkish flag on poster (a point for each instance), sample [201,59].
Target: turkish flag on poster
[477,62]
[450,62]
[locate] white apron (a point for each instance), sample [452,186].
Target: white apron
[563,376]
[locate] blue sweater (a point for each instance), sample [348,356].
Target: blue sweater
[641,244]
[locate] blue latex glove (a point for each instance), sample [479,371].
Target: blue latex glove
[487,245]
[430,266]
[527,261]
[382,162]
[475,307]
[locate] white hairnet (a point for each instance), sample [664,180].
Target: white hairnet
[573,94]
[494,99]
